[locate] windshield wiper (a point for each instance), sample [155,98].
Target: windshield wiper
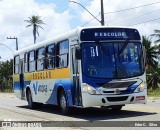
[123,47]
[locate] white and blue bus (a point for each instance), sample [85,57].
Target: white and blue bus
[86,67]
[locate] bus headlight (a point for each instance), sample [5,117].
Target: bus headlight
[89,89]
[140,88]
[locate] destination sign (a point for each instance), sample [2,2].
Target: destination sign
[110,34]
[94,34]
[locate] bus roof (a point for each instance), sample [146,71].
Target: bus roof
[61,37]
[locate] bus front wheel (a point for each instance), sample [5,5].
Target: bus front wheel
[63,103]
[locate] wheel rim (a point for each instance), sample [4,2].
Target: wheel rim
[63,102]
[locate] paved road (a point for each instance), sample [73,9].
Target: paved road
[16,110]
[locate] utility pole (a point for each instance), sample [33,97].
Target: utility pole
[102,13]
[85,9]
[16,41]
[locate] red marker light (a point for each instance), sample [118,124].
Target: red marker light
[140,98]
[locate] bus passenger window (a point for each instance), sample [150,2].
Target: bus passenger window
[16,64]
[50,57]
[63,54]
[40,58]
[32,61]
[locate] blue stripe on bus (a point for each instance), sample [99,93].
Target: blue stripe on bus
[67,86]
[93,82]
[65,83]
[130,89]
[18,87]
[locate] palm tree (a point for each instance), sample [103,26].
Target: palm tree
[157,35]
[152,52]
[153,77]
[35,21]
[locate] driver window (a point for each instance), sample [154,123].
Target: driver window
[130,53]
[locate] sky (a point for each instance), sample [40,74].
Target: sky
[61,16]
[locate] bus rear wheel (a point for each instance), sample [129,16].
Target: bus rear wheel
[63,103]
[116,108]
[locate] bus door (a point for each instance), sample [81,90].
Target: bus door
[75,78]
[21,78]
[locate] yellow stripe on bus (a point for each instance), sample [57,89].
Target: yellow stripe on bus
[16,77]
[46,74]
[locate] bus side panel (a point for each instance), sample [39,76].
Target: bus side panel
[18,89]
[16,85]
[66,84]
[49,95]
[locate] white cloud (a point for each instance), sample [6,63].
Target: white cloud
[14,12]
[113,19]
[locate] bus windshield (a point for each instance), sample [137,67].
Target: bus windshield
[112,60]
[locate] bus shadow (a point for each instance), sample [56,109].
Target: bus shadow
[93,114]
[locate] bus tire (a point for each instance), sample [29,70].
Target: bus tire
[63,103]
[116,108]
[31,104]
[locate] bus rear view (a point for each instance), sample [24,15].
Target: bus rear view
[113,71]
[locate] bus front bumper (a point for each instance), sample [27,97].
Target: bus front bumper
[110,100]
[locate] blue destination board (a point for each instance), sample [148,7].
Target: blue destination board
[97,34]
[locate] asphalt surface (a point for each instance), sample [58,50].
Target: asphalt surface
[14,109]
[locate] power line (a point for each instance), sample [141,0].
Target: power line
[90,20]
[124,10]
[84,3]
[132,8]
[8,58]
[145,22]
[90,12]
[136,17]
[16,41]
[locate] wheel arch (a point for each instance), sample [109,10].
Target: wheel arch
[27,89]
[59,89]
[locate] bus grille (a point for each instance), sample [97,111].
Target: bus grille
[121,91]
[116,99]
[117,84]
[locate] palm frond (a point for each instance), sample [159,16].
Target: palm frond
[40,27]
[157,31]
[157,41]
[28,25]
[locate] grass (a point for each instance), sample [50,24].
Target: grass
[154,93]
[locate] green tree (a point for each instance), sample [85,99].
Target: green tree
[6,72]
[153,77]
[35,21]
[157,35]
[152,52]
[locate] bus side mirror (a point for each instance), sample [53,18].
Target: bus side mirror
[78,53]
